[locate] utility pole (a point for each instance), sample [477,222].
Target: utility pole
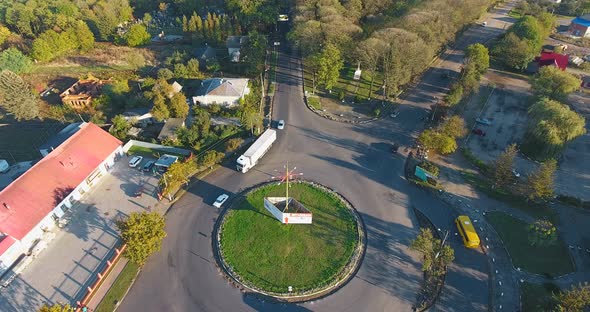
[442,244]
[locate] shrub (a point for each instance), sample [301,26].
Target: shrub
[359,98]
[341,95]
[233,144]
[430,167]
[377,112]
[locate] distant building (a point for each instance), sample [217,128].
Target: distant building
[205,55]
[223,91]
[34,204]
[59,138]
[234,44]
[168,132]
[80,94]
[580,26]
[140,116]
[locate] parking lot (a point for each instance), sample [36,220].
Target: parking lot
[63,271]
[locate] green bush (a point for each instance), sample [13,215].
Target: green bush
[341,95]
[430,167]
[377,112]
[359,98]
[480,164]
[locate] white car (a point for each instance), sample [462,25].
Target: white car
[136,160]
[484,24]
[220,200]
[515,173]
[281,125]
[394,114]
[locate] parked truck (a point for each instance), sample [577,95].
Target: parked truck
[250,158]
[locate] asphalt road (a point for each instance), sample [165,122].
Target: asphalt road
[356,161]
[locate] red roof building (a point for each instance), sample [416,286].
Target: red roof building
[552,58]
[27,201]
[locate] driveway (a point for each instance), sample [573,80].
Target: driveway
[62,271]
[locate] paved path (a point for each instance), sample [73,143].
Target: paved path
[356,161]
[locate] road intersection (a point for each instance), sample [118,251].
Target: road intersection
[355,160]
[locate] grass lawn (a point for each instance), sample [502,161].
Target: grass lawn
[550,260]
[314,102]
[537,297]
[273,256]
[119,288]
[539,211]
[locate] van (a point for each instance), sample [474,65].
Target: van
[467,232]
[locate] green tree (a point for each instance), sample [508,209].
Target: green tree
[17,97]
[165,73]
[552,125]
[478,55]
[528,28]
[369,53]
[233,144]
[160,110]
[192,69]
[57,307]
[178,106]
[14,60]
[540,182]
[84,36]
[542,233]
[453,127]
[137,35]
[514,51]
[330,63]
[455,95]
[143,233]
[574,300]
[554,83]
[253,53]
[435,141]
[180,71]
[120,127]
[503,166]
[210,158]
[436,256]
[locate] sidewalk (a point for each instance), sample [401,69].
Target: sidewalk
[107,283]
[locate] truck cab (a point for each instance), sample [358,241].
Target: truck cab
[243,164]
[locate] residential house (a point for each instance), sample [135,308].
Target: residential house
[550,59]
[34,204]
[222,91]
[80,94]
[168,132]
[206,55]
[580,26]
[140,116]
[234,44]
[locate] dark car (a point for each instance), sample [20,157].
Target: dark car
[148,166]
[479,132]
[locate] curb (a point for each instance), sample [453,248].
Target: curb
[348,272]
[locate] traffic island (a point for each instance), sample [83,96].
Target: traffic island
[288,261]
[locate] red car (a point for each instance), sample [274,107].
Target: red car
[479,132]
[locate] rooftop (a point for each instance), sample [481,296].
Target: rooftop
[236,42]
[170,127]
[61,136]
[166,160]
[551,58]
[223,86]
[27,200]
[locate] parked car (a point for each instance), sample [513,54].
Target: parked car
[394,148]
[281,125]
[515,173]
[479,132]
[483,121]
[148,166]
[220,200]
[484,24]
[135,161]
[394,114]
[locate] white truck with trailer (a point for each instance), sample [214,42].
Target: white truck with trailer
[250,158]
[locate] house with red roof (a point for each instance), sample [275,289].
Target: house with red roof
[549,59]
[32,206]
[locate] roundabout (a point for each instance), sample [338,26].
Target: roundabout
[289,262]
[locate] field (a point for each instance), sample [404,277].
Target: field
[273,256]
[552,260]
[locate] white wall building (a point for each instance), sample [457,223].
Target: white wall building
[223,91]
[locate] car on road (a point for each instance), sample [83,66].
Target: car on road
[483,121]
[394,114]
[220,200]
[135,161]
[479,132]
[281,125]
[515,173]
[148,166]
[484,24]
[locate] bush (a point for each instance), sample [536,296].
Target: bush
[474,160]
[233,144]
[359,98]
[341,95]
[377,112]
[430,167]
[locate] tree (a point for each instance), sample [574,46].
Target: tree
[16,96]
[455,95]
[253,53]
[233,144]
[542,233]
[135,59]
[453,127]
[143,233]
[165,73]
[84,36]
[4,34]
[514,51]
[160,110]
[436,141]
[192,69]
[503,166]
[57,307]
[478,55]
[330,63]
[551,125]
[210,158]
[540,182]
[369,53]
[180,71]
[573,300]
[14,60]
[554,83]
[120,127]
[436,256]
[137,35]
[178,106]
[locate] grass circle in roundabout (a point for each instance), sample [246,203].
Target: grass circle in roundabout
[265,255]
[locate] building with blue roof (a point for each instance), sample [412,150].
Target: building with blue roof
[580,26]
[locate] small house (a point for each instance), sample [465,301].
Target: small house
[234,44]
[579,27]
[168,132]
[223,91]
